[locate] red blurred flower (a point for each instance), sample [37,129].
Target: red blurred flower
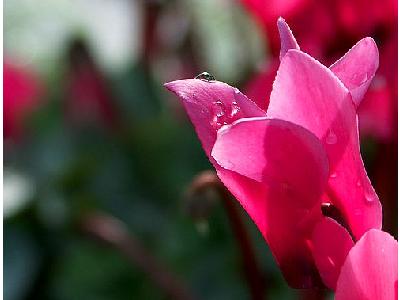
[321,26]
[22,90]
[378,111]
[296,168]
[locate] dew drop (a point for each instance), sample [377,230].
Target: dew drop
[358,183]
[369,197]
[205,76]
[237,91]
[330,260]
[214,121]
[218,114]
[331,138]
[219,108]
[235,109]
[333,175]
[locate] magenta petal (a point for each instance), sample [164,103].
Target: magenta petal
[288,41]
[331,244]
[278,172]
[308,94]
[211,105]
[275,152]
[357,68]
[370,269]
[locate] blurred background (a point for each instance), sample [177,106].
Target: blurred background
[103,192]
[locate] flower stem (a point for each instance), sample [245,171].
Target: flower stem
[252,274]
[113,232]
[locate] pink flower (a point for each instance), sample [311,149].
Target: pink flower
[22,90]
[325,29]
[370,269]
[296,167]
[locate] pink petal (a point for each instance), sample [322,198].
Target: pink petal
[357,68]
[331,244]
[370,269]
[284,171]
[212,104]
[273,151]
[287,39]
[308,94]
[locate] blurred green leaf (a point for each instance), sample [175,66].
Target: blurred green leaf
[22,260]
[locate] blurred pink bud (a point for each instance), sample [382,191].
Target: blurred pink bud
[22,90]
[89,99]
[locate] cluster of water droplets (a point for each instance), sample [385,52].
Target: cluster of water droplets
[224,114]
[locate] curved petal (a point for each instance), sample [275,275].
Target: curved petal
[211,105]
[370,269]
[331,244]
[278,171]
[308,94]
[357,68]
[288,41]
[274,151]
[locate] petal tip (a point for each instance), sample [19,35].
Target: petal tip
[287,38]
[280,20]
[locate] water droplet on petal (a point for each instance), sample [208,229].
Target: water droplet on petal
[358,183]
[331,138]
[333,175]
[205,76]
[330,260]
[219,108]
[369,197]
[219,117]
[237,91]
[235,109]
